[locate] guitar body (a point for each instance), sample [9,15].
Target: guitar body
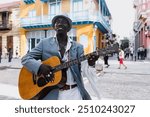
[30,90]
[28,87]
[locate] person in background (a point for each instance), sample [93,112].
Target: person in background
[0,54]
[106,61]
[121,59]
[17,52]
[10,53]
[145,53]
[127,51]
[131,52]
[5,53]
[65,49]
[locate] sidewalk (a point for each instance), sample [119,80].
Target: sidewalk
[7,94]
[15,63]
[113,83]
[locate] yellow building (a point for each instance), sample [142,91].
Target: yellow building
[91,20]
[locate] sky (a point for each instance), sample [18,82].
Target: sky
[122,12]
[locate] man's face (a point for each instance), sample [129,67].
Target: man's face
[61,25]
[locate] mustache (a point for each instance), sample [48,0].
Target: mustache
[61,27]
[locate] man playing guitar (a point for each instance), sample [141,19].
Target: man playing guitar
[71,86]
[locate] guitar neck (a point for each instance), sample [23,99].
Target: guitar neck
[100,52]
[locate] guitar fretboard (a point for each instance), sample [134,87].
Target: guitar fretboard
[100,52]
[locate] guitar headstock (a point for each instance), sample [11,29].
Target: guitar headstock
[108,50]
[114,47]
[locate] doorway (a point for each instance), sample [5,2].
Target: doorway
[9,42]
[0,43]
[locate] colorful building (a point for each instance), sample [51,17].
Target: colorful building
[9,27]
[91,20]
[142,25]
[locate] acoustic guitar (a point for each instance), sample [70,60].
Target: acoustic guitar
[29,87]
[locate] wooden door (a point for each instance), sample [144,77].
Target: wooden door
[9,42]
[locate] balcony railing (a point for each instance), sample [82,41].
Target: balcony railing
[7,25]
[75,16]
[29,1]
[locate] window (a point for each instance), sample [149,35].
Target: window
[77,8]
[54,8]
[72,34]
[32,13]
[83,39]
[33,42]
[77,5]
[34,37]
[32,16]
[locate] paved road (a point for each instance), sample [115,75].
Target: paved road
[112,83]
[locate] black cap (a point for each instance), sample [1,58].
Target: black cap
[62,16]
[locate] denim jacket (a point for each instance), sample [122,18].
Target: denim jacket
[48,48]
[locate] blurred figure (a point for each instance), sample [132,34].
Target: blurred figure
[145,53]
[17,52]
[121,58]
[141,52]
[5,53]
[138,53]
[131,52]
[9,54]
[0,54]
[127,51]
[106,61]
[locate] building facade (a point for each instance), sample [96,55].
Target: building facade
[91,20]
[142,25]
[9,27]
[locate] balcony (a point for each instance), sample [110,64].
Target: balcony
[142,16]
[29,1]
[7,25]
[80,17]
[49,0]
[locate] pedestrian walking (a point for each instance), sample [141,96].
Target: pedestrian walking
[141,52]
[121,59]
[131,52]
[106,61]
[138,53]
[145,53]
[0,54]
[127,51]
[9,54]
[5,53]
[17,52]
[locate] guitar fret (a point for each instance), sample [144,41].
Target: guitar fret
[100,52]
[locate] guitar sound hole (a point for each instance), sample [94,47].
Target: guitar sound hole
[41,82]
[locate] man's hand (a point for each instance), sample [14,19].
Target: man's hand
[92,59]
[46,72]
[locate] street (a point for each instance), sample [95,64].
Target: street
[132,83]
